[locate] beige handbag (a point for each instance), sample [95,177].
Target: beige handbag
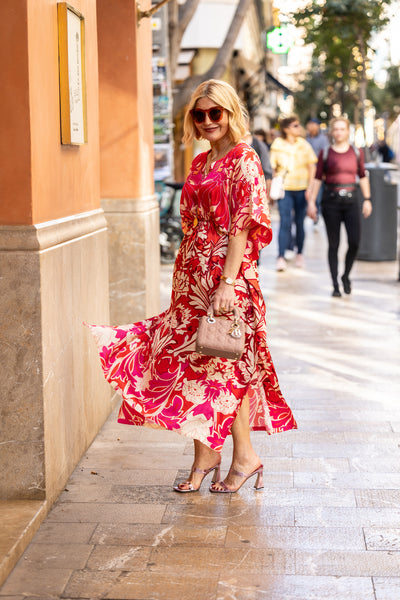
[221,336]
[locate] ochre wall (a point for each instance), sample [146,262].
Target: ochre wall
[126,107]
[15,153]
[64,178]
[40,179]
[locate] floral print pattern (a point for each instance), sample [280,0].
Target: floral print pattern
[153,364]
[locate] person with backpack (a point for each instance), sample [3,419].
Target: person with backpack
[338,166]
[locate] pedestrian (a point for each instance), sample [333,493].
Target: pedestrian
[153,364]
[318,141]
[339,167]
[294,159]
[263,153]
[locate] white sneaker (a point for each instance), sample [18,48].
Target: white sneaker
[281,264]
[299,261]
[289,254]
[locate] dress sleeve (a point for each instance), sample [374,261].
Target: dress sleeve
[249,204]
[188,208]
[361,164]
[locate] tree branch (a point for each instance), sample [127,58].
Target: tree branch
[222,59]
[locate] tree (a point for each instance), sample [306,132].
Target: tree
[340,31]
[179,18]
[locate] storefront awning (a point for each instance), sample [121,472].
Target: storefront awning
[278,84]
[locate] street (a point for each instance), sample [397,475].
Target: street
[327,524]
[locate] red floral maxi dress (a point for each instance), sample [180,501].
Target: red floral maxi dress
[153,364]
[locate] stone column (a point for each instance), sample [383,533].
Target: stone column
[126,160]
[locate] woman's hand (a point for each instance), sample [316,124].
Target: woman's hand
[312,210]
[366,208]
[224,299]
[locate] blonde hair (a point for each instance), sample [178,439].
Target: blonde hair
[335,120]
[224,95]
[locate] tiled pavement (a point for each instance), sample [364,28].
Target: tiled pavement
[327,525]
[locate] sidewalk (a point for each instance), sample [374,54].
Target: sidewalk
[327,525]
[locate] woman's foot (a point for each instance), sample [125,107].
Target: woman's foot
[205,460]
[336,292]
[299,261]
[281,264]
[237,475]
[196,478]
[346,284]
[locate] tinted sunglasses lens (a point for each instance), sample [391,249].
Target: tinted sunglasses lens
[215,114]
[199,116]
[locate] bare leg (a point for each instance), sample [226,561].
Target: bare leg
[244,458]
[204,458]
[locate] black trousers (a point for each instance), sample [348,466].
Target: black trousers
[335,211]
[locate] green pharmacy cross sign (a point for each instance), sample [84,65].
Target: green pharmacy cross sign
[280,40]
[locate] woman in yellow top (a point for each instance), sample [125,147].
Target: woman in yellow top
[292,157]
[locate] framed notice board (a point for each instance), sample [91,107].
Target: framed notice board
[71,57]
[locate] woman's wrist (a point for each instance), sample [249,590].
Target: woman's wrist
[227,280]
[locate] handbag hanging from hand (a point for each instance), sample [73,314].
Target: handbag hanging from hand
[220,335]
[277,191]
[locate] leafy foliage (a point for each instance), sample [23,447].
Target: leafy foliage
[340,31]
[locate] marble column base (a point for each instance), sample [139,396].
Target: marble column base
[134,258]
[54,399]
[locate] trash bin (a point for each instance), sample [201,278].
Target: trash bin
[379,231]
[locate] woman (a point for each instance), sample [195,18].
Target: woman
[292,157]
[163,381]
[339,167]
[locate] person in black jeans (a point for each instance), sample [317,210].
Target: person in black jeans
[339,167]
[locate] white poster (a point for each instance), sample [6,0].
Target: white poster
[75,78]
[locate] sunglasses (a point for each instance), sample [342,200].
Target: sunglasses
[214,114]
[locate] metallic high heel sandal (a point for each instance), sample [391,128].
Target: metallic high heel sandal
[216,476]
[259,485]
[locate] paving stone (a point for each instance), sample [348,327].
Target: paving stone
[86,492]
[351,564]
[382,539]
[313,465]
[298,497]
[345,450]
[57,556]
[387,588]
[378,498]
[159,535]
[294,587]
[151,459]
[213,560]
[305,538]
[395,426]
[377,465]
[89,584]
[238,513]
[341,425]
[107,513]
[122,494]
[371,437]
[33,580]
[348,480]
[119,558]
[343,516]
[159,586]
[117,476]
[64,533]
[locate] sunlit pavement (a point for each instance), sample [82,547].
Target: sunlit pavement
[327,525]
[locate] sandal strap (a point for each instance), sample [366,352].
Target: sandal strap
[240,474]
[205,471]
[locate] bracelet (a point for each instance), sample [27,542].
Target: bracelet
[369,199]
[227,280]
